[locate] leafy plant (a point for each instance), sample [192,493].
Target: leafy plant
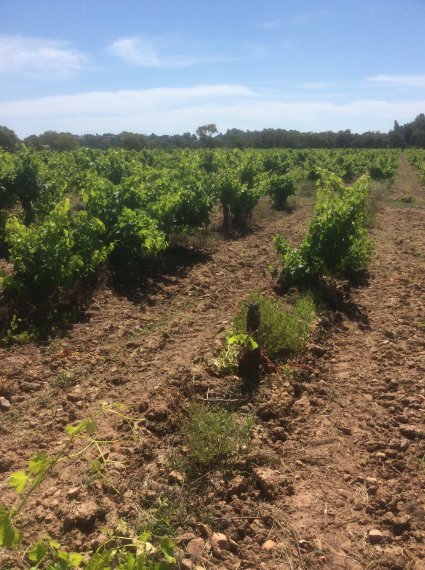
[282,331]
[336,240]
[53,254]
[279,187]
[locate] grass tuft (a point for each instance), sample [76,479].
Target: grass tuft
[283,332]
[213,437]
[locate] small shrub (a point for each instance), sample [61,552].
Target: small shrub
[282,332]
[336,242]
[279,187]
[213,437]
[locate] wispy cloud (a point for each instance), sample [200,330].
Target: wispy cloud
[415,81]
[136,51]
[177,110]
[144,53]
[161,110]
[38,57]
[269,24]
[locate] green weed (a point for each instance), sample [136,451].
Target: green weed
[213,437]
[282,332]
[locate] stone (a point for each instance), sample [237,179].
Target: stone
[375,536]
[4,404]
[412,432]
[76,395]
[237,485]
[196,547]
[219,541]
[176,478]
[267,480]
[73,493]
[269,546]
[279,433]
[83,517]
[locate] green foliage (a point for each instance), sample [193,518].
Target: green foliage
[213,437]
[336,240]
[55,253]
[283,332]
[279,187]
[136,236]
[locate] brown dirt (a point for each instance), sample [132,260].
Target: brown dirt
[339,444]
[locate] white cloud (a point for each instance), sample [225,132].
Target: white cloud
[415,81]
[38,56]
[143,53]
[177,110]
[137,51]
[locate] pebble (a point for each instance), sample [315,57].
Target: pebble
[269,546]
[4,404]
[196,547]
[175,477]
[219,541]
[267,480]
[73,493]
[375,536]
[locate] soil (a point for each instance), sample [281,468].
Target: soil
[334,476]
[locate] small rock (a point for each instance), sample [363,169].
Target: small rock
[267,480]
[412,432]
[269,546]
[73,493]
[205,530]
[375,536]
[196,547]
[76,395]
[83,517]
[175,477]
[4,404]
[219,541]
[401,524]
[280,433]
[187,564]
[318,350]
[371,481]
[237,485]
[302,406]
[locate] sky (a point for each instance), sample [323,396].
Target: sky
[169,66]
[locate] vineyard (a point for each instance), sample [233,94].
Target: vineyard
[212,359]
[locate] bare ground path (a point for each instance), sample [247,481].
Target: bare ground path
[359,459]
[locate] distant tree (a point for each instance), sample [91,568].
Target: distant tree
[8,138]
[205,133]
[33,141]
[59,141]
[132,141]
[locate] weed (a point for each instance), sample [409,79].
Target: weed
[213,437]
[282,332]
[66,379]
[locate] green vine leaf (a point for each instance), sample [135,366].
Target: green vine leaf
[18,481]
[9,535]
[39,464]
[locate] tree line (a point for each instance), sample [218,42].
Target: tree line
[206,136]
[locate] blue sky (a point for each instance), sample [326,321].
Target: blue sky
[168,66]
